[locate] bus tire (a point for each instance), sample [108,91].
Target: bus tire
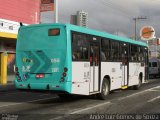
[136,87]
[105,89]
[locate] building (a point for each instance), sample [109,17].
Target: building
[153,48]
[73,19]
[12,12]
[80,19]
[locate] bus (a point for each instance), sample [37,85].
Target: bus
[70,59]
[154,67]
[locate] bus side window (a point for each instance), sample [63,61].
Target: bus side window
[134,53]
[115,53]
[105,51]
[75,55]
[103,56]
[79,47]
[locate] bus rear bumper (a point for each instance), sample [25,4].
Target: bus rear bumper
[40,86]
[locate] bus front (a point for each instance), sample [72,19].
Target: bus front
[41,58]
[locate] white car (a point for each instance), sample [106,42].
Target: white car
[154,67]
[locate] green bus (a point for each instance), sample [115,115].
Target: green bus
[74,60]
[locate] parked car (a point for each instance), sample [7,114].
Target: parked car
[154,67]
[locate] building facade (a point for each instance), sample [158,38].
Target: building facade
[73,19]
[80,19]
[154,48]
[12,12]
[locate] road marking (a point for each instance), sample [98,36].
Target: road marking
[158,97]
[155,90]
[59,117]
[122,98]
[27,102]
[81,110]
[44,95]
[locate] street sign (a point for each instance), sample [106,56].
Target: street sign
[47,5]
[45,1]
[147,33]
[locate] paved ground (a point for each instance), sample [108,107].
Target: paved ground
[40,106]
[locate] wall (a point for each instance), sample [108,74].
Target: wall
[26,11]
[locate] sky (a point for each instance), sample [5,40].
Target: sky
[112,16]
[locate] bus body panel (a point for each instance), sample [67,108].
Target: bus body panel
[80,78]
[38,53]
[50,58]
[135,72]
[114,71]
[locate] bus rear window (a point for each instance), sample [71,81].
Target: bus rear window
[54,32]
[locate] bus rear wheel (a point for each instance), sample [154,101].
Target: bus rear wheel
[105,89]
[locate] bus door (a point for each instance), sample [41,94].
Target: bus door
[94,67]
[125,65]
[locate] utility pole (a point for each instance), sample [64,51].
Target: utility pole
[56,10]
[135,19]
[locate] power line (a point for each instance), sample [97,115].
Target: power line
[115,7]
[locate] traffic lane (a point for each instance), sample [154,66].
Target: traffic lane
[128,104]
[59,108]
[21,97]
[123,105]
[10,101]
[24,96]
[56,106]
[14,93]
[142,103]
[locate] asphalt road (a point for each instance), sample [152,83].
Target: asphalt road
[121,104]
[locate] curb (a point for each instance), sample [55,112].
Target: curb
[8,87]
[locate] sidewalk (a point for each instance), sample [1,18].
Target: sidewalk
[9,86]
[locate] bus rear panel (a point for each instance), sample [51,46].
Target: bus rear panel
[41,58]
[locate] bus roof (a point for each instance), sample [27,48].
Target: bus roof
[92,32]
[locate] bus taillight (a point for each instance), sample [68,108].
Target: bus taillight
[16,69]
[65,69]
[64,74]
[19,78]
[39,75]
